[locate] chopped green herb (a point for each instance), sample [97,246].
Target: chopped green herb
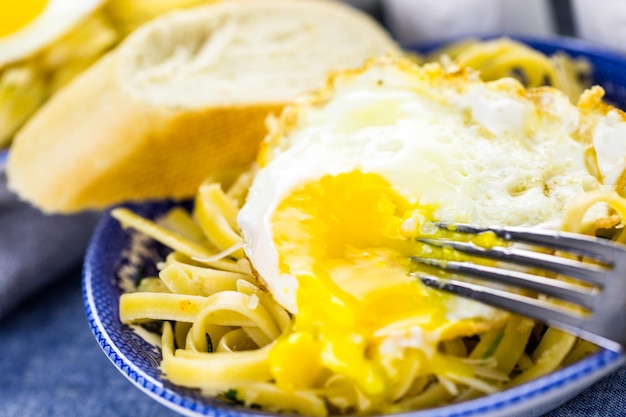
[493,346]
[231,395]
[141,274]
[209,345]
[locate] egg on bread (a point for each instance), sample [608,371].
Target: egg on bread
[351,174]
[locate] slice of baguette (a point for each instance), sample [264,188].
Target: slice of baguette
[182,98]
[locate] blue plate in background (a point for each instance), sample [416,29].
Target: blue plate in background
[115,256]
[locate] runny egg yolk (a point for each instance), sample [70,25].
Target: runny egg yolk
[15,15]
[345,240]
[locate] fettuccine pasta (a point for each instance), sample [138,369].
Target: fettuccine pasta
[220,330]
[504,57]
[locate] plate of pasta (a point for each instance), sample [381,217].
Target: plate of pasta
[290,290]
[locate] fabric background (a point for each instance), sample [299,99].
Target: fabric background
[36,249]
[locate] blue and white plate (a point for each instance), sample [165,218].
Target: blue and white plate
[115,257]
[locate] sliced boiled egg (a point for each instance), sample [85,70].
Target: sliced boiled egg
[28,26]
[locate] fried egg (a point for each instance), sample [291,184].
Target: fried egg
[28,26]
[349,176]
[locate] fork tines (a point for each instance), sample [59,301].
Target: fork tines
[574,268]
[594,257]
[567,291]
[593,307]
[587,246]
[543,310]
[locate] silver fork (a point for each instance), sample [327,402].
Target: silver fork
[600,270]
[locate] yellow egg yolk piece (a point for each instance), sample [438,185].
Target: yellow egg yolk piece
[342,237]
[16,15]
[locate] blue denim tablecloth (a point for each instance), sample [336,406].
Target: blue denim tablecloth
[50,365]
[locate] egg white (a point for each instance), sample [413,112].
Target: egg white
[57,19]
[610,146]
[484,153]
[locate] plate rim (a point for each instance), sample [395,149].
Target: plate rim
[575,45]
